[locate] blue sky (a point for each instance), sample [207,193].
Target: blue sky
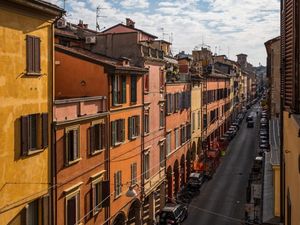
[228,26]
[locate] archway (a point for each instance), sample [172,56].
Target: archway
[188,163]
[176,177]
[182,170]
[134,213]
[170,184]
[120,219]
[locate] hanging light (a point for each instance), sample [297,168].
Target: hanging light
[131,193]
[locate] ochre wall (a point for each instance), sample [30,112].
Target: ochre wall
[291,143]
[22,179]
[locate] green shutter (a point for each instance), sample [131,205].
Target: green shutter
[114,90]
[123,89]
[133,89]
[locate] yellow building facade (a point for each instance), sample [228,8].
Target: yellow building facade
[26,62]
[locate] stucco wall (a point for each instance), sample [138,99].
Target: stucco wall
[291,143]
[22,179]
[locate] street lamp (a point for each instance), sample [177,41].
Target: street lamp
[131,193]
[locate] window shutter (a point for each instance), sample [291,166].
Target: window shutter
[37,55]
[45,209]
[92,139]
[130,128]
[44,130]
[113,133]
[123,89]
[137,124]
[115,184]
[120,182]
[103,138]
[133,88]
[75,144]
[29,54]
[123,129]
[24,135]
[114,90]
[89,203]
[105,194]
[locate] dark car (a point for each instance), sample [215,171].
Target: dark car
[250,124]
[249,118]
[173,214]
[236,124]
[196,180]
[263,132]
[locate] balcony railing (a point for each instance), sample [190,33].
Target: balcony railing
[151,52]
[73,108]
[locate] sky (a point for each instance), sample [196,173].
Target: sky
[228,27]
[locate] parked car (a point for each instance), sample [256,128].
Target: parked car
[196,180]
[231,134]
[233,130]
[236,124]
[264,132]
[173,214]
[249,118]
[250,124]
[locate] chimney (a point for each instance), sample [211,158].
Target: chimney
[80,24]
[130,22]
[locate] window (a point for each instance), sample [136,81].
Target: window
[133,127]
[118,89]
[118,183]
[168,143]
[146,82]
[34,133]
[177,140]
[133,87]
[72,145]
[33,216]
[36,212]
[146,166]
[161,116]
[97,138]
[161,80]
[183,134]
[33,55]
[133,169]
[146,121]
[72,209]
[162,155]
[97,196]
[204,121]
[117,131]
[188,132]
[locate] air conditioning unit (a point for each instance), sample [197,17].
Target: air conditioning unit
[61,24]
[90,40]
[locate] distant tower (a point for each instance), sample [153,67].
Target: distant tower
[242,59]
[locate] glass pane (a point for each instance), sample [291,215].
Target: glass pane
[71,211]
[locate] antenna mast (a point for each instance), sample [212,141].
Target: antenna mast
[98,15]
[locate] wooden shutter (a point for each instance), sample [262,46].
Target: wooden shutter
[103,138]
[89,203]
[45,209]
[114,90]
[133,89]
[24,135]
[123,130]
[123,89]
[130,122]
[29,54]
[37,55]
[113,133]
[137,125]
[45,130]
[92,139]
[105,194]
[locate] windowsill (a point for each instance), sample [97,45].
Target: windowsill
[117,197]
[73,162]
[133,138]
[118,104]
[33,152]
[33,74]
[146,92]
[97,152]
[117,144]
[146,134]
[96,212]
[161,128]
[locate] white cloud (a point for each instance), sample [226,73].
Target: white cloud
[234,25]
[135,4]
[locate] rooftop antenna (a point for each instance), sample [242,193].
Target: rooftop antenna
[163,33]
[64,4]
[98,15]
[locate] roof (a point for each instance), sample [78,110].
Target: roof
[272,40]
[40,5]
[98,59]
[133,28]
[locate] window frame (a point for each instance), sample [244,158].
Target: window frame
[67,130]
[117,184]
[69,195]
[162,149]
[162,114]
[133,89]
[33,55]
[119,136]
[97,180]
[146,125]
[133,173]
[102,140]
[146,162]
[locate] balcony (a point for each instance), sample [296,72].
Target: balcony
[151,52]
[74,108]
[177,77]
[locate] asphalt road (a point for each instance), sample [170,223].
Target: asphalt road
[221,200]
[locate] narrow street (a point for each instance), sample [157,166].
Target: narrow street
[224,196]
